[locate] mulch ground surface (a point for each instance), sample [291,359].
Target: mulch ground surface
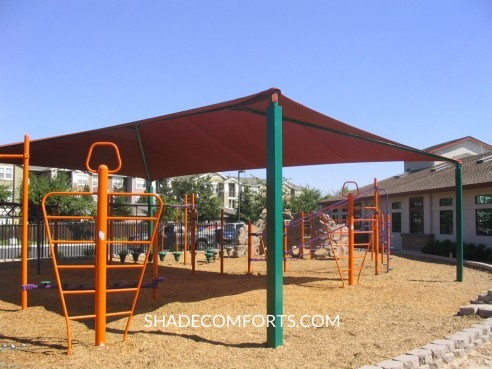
[326,326]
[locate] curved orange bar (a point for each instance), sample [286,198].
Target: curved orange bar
[344,194]
[89,155]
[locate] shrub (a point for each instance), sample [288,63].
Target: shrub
[470,250]
[441,248]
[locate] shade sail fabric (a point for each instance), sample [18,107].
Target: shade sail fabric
[221,137]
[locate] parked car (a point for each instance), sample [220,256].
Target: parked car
[169,232]
[208,237]
[205,238]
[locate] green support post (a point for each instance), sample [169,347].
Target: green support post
[459,222]
[274,224]
[155,249]
[150,208]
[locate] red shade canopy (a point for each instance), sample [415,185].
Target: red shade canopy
[225,136]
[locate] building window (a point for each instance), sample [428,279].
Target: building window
[416,215]
[6,173]
[117,182]
[396,222]
[396,205]
[232,190]
[446,221]
[95,181]
[483,219]
[82,179]
[140,184]
[232,204]
[447,201]
[483,199]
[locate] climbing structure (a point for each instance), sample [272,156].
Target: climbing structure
[347,238]
[103,243]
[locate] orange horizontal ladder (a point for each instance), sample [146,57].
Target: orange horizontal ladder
[101,242]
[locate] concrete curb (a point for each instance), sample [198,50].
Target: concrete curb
[451,348]
[419,255]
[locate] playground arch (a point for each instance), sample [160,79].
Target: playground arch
[263,130]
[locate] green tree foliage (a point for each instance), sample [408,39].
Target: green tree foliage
[207,203]
[4,193]
[251,205]
[307,201]
[341,191]
[166,192]
[120,204]
[40,185]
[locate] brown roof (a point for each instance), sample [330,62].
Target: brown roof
[221,137]
[476,173]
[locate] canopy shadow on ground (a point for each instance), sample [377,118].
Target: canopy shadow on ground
[180,285]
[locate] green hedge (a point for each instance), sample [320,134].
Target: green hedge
[447,248]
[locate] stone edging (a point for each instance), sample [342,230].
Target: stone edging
[442,351]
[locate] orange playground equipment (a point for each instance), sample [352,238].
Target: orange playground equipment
[103,261]
[346,231]
[259,253]
[25,213]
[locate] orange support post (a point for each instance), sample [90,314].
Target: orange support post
[376,228]
[193,234]
[382,227]
[285,247]
[388,252]
[101,252]
[25,214]
[351,239]
[221,241]
[311,237]
[250,246]
[155,251]
[301,251]
[185,234]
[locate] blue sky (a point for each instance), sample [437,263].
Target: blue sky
[417,72]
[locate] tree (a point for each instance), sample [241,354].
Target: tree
[4,193]
[251,205]
[207,203]
[307,201]
[339,192]
[120,204]
[40,185]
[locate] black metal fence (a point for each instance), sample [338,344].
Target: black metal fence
[171,236]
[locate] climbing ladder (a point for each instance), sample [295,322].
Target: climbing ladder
[102,240]
[344,251]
